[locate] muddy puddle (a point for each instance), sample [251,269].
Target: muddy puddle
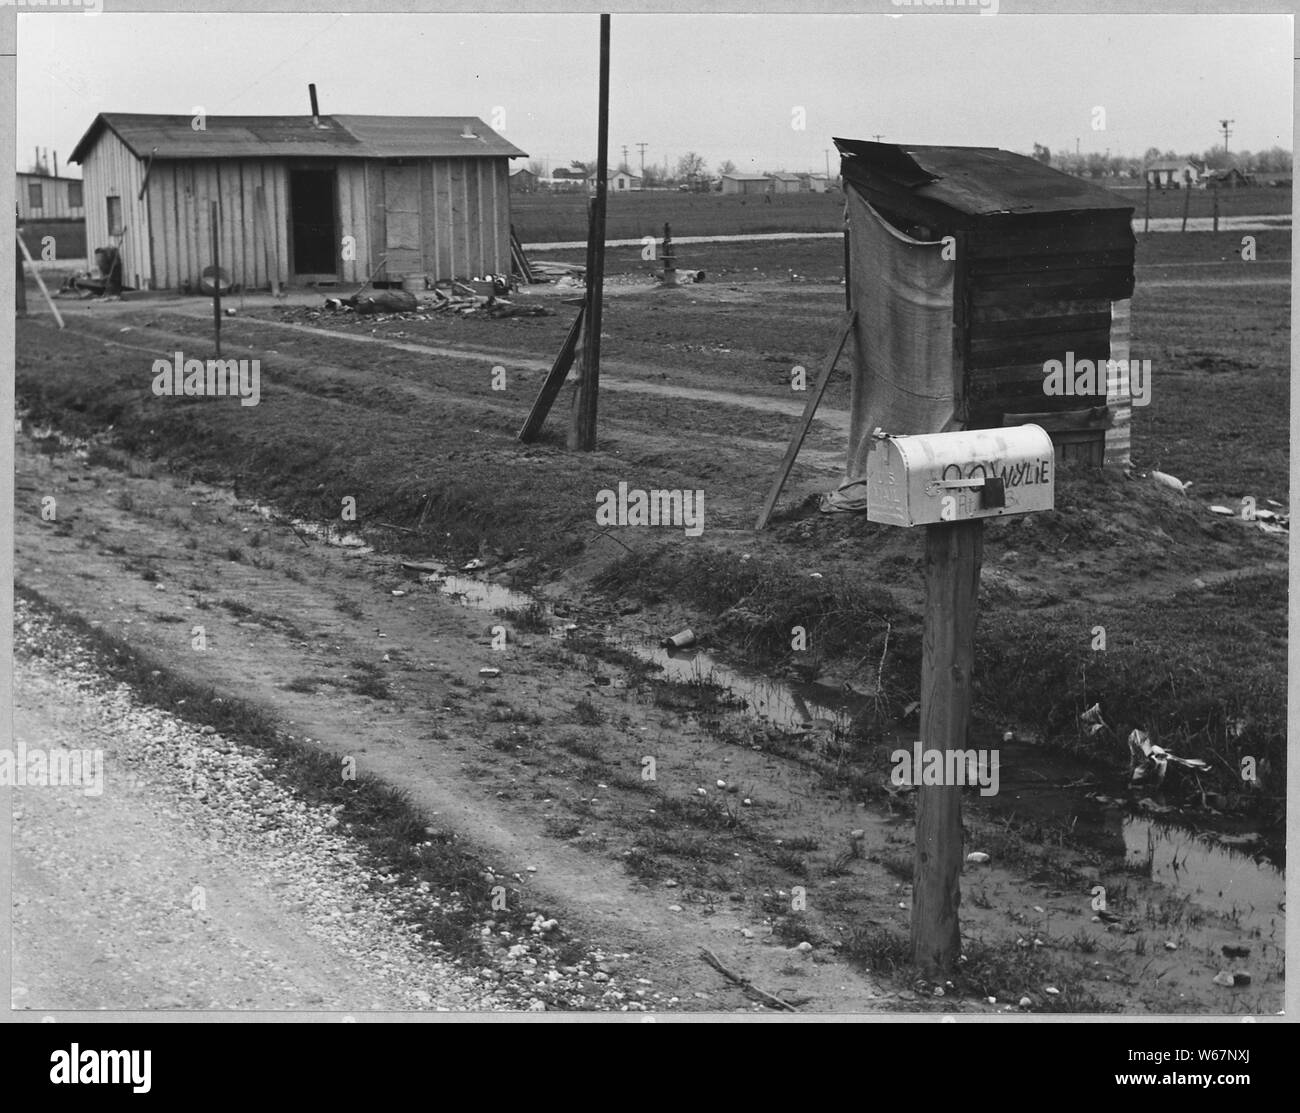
[1230,873]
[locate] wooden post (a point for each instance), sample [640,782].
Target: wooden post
[1214,189]
[20,285]
[262,230]
[551,384]
[809,409]
[216,279]
[953,554]
[40,282]
[1187,201]
[670,261]
[1146,222]
[583,435]
[848,279]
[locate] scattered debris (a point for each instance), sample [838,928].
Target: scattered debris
[745,983]
[680,640]
[489,672]
[1235,950]
[977,856]
[1149,762]
[1224,511]
[1232,978]
[1169,481]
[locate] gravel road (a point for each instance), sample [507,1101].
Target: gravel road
[192,881]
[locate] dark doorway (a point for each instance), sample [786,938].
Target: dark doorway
[314,219]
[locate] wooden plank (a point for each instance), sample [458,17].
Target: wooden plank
[1113,284]
[986,355]
[1014,313]
[1089,419]
[40,282]
[1049,262]
[263,230]
[962,304]
[554,380]
[1020,238]
[805,421]
[953,554]
[1025,327]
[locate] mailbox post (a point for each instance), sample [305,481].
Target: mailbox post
[949,483]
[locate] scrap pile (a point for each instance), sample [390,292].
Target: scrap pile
[402,305]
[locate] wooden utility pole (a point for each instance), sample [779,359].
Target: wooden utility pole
[1146,221]
[1214,189]
[953,554]
[1187,199]
[670,259]
[216,279]
[583,435]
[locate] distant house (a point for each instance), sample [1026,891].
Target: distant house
[1230,178]
[45,197]
[564,180]
[619,181]
[523,180]
[745,183]
[1173,173]
[815,183]
[427,194]
[785,183]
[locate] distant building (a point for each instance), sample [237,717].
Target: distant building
[426,194]
[1229,178]
[618,181]
[815,183]
[564,180]
[45,197]
[745,183]
[523,180]
[1173,173]
[785,183]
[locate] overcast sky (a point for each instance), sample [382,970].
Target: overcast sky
[728,87]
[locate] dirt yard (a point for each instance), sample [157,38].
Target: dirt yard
[760,830]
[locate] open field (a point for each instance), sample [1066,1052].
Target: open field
[562,217]
[542,766]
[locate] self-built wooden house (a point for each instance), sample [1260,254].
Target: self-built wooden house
[971,269]
[302,198]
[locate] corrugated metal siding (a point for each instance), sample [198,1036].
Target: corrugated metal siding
[110,170]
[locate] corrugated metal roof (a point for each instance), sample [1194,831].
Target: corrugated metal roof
[173,137]
[746,177]
[978,181]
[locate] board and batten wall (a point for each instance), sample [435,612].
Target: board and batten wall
[464,207]
[180,199]
[464,216]
[111,170]
[54,198]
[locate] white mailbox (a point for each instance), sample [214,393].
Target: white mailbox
[956,477]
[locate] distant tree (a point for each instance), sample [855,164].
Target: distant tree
[1042,154]
[538,167]
[1152,155]
[727,167]
[587,168]
[690,166]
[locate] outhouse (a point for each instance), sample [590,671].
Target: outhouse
[971,270]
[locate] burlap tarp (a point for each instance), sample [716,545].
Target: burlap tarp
[902,374]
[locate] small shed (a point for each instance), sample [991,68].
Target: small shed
[1173,173]
[745,183]
[972,269]
[46,197]
[302,199]
[782,182]
[523,180]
